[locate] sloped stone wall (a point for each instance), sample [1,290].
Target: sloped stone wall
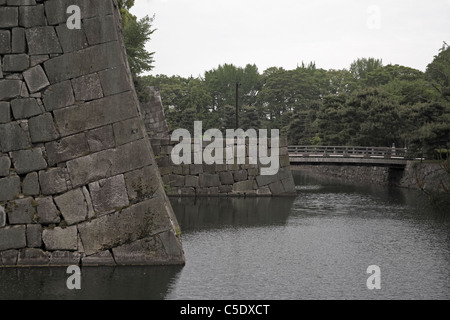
[226,180]
[78,179]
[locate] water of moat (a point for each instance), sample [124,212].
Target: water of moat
[315,246]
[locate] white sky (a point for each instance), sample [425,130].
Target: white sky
[197,35]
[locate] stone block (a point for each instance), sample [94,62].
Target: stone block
[166,170]
[17,3]
[21,211]
[73,206]
[209,180]
[87,87]
[2,217]
[109,194]
[30,185]
[109,163]
[127,131]
[71,40]
[100,29]
[9,17]
[56,9]
[9,89]
[42,40]
[25,108]
[142,184]
[33,257]
[284,161]
[101,139]
[221,167]
[147,251]
[5,112]
[244,186]
[5,165]
[95,114]
[103,258]
[19,43]
[114,80]
[42,128]
[9,257]
[195,169]
[9,188]
[64,258]
[289,185]
[38,59]
[58,96]
[5,41]
[144,219]
[26,161]
[226,178]
[60,239]
[70,66]
[177,169]
[225,189]
[67,149]
[47,212]
[13,137]
[266,180]
[31,16]
[176,180]
[276,188]
[13,238]
[209,168]
[36,79]
[34,236]
[192,181]
[16,62]
[91,168]
[240,175]
[53,181]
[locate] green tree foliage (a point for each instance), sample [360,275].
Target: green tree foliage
[438,73]
[362,67]
[136,33]
[367,105]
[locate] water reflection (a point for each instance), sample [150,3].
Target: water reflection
[209,213]
[106,283]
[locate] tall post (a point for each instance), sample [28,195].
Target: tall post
[237,105]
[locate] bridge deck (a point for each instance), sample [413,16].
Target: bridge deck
[369,156]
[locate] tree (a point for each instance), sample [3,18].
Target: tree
[362,67]
[137,33]
[438,73]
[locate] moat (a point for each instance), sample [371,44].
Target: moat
[317,245]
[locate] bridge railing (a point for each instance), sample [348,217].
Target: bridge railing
[347,152]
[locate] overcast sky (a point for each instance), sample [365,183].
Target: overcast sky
[197,35]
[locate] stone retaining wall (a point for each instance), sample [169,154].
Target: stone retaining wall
[231,180]
[78,179]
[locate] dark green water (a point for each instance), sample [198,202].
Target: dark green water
[315,246]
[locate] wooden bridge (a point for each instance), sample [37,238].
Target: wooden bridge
[366,156]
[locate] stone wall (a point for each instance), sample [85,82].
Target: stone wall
[358,174]
[153,114]
[432,178]
[78,179]
[226,180]
[231,180]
